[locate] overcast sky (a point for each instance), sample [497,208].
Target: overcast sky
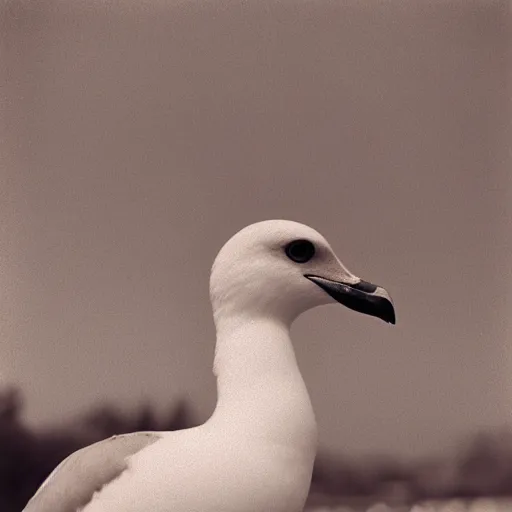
[139,136]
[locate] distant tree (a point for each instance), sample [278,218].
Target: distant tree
[27,457]
[485,466]
[17,447]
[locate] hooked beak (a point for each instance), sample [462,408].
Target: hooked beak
[362,296]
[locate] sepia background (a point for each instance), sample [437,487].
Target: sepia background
[138,136]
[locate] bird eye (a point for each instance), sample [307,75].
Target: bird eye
[300,251]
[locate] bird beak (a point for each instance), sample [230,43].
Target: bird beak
[361,296]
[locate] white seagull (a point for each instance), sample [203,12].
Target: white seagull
[256,452]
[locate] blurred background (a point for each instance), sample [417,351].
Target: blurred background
[138,136]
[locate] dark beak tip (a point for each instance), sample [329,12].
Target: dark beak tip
[389,316]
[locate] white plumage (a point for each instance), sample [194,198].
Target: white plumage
[256,452]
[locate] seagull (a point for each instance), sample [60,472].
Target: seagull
[256,452]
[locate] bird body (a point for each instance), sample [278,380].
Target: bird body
[256,452]
[201,470]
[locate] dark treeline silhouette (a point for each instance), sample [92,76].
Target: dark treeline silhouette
[28,456]
[482,467]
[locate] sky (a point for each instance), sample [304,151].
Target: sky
[139,136]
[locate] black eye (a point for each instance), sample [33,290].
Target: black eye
[300,251]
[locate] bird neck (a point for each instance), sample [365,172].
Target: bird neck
[260,388]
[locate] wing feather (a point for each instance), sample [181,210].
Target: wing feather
[74,481]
